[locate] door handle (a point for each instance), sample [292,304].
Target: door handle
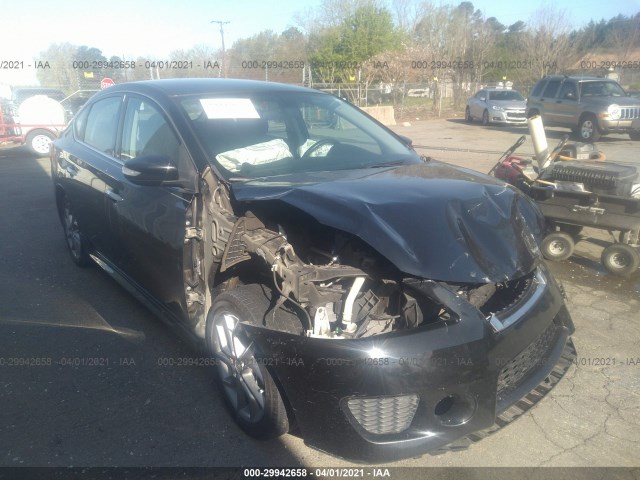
[111,193]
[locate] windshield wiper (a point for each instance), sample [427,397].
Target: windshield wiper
[392,163]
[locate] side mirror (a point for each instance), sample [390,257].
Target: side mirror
[150,170]
[483,99]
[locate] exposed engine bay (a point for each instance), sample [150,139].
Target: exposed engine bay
[329,283]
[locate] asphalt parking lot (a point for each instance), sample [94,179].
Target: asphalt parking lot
[85,377]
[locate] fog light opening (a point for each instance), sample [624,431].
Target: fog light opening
[455,410]
[444,405]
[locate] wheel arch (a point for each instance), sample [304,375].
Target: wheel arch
[586,114]
[59,194]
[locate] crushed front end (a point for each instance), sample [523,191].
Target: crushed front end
[440,385]
[391,337]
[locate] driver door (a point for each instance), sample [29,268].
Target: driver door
[149,221]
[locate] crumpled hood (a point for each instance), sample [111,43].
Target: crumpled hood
[430,220]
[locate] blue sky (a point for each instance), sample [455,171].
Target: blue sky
[152,29]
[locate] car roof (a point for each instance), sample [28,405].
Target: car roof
[195,86]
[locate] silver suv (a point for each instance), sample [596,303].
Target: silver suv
[590,106]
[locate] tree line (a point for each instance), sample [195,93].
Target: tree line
[377,42]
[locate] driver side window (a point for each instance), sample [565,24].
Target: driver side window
[146,132]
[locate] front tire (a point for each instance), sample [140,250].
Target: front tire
[620,259]
[634,135]
[485,117]
[588,129]
[557,246]
[248,388]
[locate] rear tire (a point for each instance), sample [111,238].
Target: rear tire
[39,142]
[76,243]
[620,259]
[467,115]
[557,246]
[248,388]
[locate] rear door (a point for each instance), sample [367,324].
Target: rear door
[84,160]
[149,222]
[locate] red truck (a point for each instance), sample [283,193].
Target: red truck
[35,121]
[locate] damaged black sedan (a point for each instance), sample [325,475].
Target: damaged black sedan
[382,304]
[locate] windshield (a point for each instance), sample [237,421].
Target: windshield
[277,133]
[602,89]
[505,95]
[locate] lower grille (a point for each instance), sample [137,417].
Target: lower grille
[535,355]
[384,415]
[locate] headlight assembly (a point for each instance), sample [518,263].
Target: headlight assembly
[614,111]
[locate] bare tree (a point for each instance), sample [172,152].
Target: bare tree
[406,14]
[626,37]
[62,73]
[547,42]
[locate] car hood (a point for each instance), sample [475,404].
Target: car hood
[520,104]
[605,101]
[430,220]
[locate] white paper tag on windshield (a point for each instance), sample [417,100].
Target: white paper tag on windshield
[229,108]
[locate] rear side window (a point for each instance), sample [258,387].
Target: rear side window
[552,89]
[102,124]
[538,89]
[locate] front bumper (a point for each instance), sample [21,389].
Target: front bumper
[403,394]
[607,125]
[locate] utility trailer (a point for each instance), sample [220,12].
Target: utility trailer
[573,194]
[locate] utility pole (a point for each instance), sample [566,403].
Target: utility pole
[224,63]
